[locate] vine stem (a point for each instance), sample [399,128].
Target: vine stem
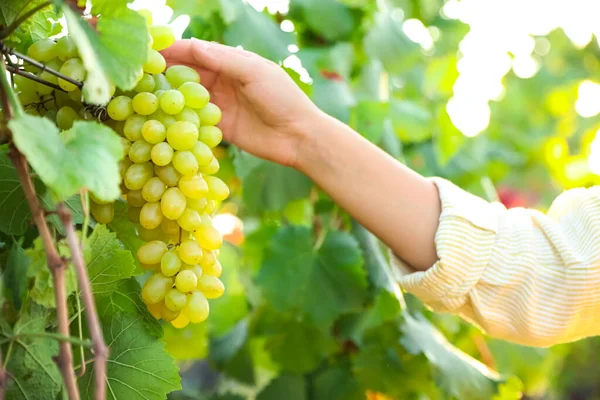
[99,347]
[15,24]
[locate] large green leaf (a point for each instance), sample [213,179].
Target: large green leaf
[448,139]
[14,277]
[337,383]
[126,232]
[411,120]
[193,8]
[328,18]
[85,156]
[41,25]
[289,387]
[368,118]
[321,282]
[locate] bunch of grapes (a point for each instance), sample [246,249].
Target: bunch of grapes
[168,130]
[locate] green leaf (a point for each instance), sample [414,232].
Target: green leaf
[211,28]
[14,277]
[73,204]
[328,18]
[411,120]
[39,26]
[126,232]
[448,139]
[32,370]
[256,32]
[106,260]
[115,52]
[334,97]
[287,386]
[86,156]
[268,186]
[225,347]
[337,383]
[440,75]
[138,365]
[320,283]
[193,8]
[368,118]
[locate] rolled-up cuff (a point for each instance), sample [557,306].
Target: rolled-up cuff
[464,241]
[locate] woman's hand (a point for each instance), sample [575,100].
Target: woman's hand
[264,111]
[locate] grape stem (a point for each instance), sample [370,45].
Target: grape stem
[98,346]
[33,77]
[17,22]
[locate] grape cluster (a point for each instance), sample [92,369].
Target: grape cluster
[168,131]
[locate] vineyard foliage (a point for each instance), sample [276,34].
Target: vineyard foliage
[311,309]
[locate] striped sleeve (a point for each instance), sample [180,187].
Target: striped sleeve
[518,274]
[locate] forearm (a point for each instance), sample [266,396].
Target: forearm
[396,204]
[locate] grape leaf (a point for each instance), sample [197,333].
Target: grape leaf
[73,204]
[106,260]
[328,18]
[14,278]
[39,26]
[287,386]
[194,8]
[321,283]
[126,232]
[138,365]
[368,118]
[448,140]
[72,160]
[33,372]
[411,120]
[337,383]
[224,348]
[189,343]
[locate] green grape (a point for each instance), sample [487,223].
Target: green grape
[212,167]
[159,94]
[217,189]
[27,89]
[152,252]
[181,321]
[153,189]
[150,267]
[66,48]
[208,259]
[162,117]
[189,220]
[168,174]
[42,89]
[202,153]
[170,227]
[197,308]
[185,163]
[162,154]
[170,264]
[95,199]
[210,207]
[153,131]
[211,287]
[126,144]
[172,102]
[173,203]
[161,82]
[65,117]
[196,95]
[145,103]
[146,84]
[147,14]
[182,135]
[43,50]
[120,108]
[162,36]
[189,115]
[151,215]
[50,114]
[210,135]
[215,269]
[210,115]
[175,300]
[196,269]
[190,252]
[149,235]
[206,219]
[156,63]
[177,75]
[74,69]
[132,129]
[155,288]
[193,187]
[103,213]
[133,214]
[196,204]
[135,198]
[155,309]
[124,165]
[208,237]
[186,281]
[137,175]
[167,314]
[139,152]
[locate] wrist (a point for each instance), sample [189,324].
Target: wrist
[314,134]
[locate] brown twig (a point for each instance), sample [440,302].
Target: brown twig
[34,78]
[99,347]
[57,268]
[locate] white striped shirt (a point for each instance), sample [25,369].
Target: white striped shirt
[518,274]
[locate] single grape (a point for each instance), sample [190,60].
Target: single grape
[135,198]
[210,115]
[196,204]
[170,263]
[120,108]
[42,89]
[151,215]
[66,48]
[185,163]
[189,220]
[212,167]
[210,135]
[168,174]
[175,300]
[161,82]
[217,189]
[177,75]
[144,103]
[162,117]
[155,309]
[102,213]
[215,269]
[206,219]
[43,50]
[210,207]
[124,165]
[133,214]
[153,189]
[173,203]
[210,286]
[156,63]
[139,152]
[172,102]
[65,116]
[152,252]
[190,252]
[167,314]
[74,69]
[194,187]
[208,258]
[197,308]
[196,269]
[155,288]
[189,115]
[208,237]
[181,321]
[182,135]
[126,144]
[170,227]
[146,84]
[186,281]
[162,36]
[137,175]
[203,154]
[162,154]
[196,95]
[154,132]
[132,127]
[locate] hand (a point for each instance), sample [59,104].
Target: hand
[264,112]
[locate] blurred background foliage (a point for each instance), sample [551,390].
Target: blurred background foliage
[499,96]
